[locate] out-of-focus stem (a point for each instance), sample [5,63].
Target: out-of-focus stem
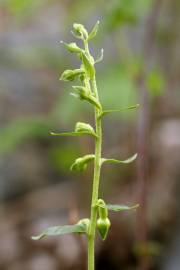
[143,132]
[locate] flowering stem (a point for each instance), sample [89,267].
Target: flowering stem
[97,169]
[88,92]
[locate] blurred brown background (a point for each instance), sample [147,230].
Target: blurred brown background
[141,65]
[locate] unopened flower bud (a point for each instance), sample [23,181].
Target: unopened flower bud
[103,226]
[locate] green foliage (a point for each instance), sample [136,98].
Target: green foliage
[62,155]
[126,12]
[23,9]
[117,79]
[16,132]
[155,83]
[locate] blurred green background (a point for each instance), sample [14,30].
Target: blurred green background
[141,65]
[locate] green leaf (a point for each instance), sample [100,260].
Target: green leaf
[93,32]
[116,161]
[88,65]
[60,230]
[118,207]
[80,164]
[119,110]
[72,47]
[83,95]
[70,75]
[100,56]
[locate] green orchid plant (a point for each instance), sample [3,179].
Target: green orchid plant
[87,91]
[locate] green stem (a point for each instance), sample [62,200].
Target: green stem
[97,169]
